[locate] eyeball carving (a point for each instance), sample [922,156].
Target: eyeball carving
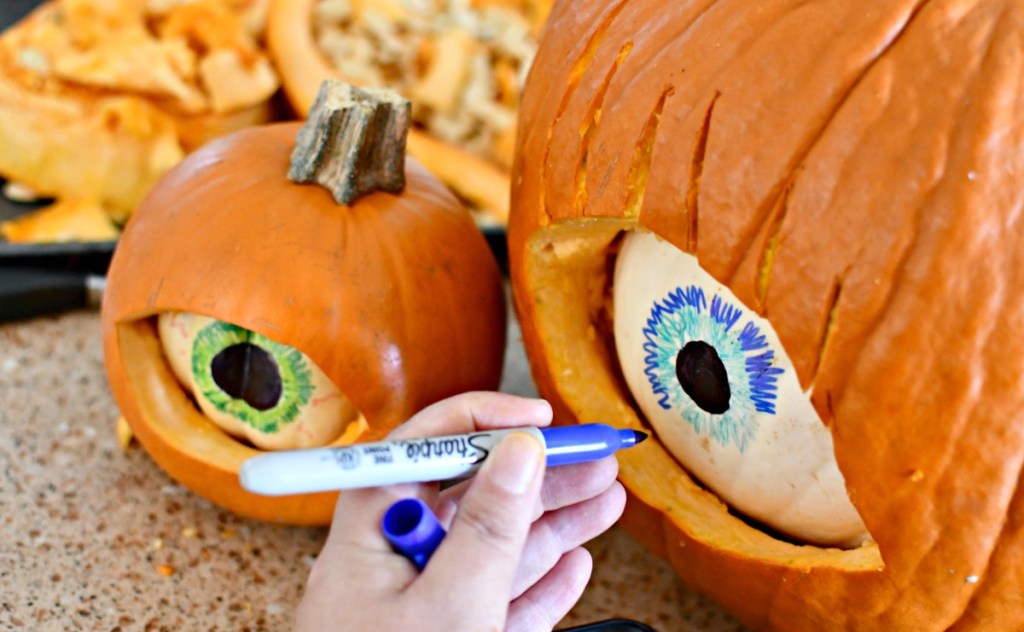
[714,382]
[252,387]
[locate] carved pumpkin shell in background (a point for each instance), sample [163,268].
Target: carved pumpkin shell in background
[462,64]
[100,99]
[789,241]
[372,310]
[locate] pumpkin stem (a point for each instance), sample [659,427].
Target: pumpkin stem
[353,142]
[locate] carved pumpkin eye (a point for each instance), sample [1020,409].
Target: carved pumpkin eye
[715,383]
[251,386]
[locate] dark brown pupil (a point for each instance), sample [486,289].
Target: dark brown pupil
[703,377]
[245,371]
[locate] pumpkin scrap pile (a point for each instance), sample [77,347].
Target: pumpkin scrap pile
[98,98]
[461,63]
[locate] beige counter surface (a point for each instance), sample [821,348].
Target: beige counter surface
[97,538]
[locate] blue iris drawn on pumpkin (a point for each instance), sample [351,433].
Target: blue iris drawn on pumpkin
[739,351]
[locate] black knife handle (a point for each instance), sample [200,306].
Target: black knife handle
[28,292]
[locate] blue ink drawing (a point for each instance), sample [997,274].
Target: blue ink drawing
[684,316]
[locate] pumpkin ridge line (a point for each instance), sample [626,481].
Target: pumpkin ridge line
[899,270]
[770,249]
[989,338]
[944,467]
[800,156]
[982,575]
[692,202]
[575,75]
[588,128]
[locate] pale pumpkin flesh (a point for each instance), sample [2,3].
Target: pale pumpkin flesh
[82,124]
[854,176]
[255,389]
[714,382]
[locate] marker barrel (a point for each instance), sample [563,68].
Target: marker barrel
[420,460]
[565,445]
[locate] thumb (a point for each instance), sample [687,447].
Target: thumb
[477,561]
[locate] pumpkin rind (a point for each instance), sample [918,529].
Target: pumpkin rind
[854,175]
[397,298]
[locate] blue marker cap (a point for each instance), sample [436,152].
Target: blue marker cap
[413,530]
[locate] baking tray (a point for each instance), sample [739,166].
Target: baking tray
[12,10]
[89,257]
[94,257]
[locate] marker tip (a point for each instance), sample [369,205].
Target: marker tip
[640,436]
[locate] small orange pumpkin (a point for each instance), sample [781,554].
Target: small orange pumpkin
[395,298]
[720,212]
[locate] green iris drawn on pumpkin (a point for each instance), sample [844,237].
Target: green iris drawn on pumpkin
[250,377]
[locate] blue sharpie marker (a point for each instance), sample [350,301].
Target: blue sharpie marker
[418,460]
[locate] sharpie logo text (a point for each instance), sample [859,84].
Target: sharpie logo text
[472,448]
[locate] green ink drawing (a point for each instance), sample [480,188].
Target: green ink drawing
[267,404]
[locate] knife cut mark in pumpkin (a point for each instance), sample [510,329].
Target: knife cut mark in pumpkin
[766,260]
[578,70]
[829,329]
[641,167]
[589,126]
[696,170]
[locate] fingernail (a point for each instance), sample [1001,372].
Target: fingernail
[541,408]
[515,462]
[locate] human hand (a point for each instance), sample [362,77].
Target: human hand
[512,559]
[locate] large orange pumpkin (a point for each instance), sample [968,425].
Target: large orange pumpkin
[846,180]
[396,298]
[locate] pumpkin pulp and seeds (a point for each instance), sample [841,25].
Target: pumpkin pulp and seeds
[147,79]
[461,63]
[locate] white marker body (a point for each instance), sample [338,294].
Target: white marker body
[418,460]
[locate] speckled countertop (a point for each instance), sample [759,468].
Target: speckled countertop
[96,538]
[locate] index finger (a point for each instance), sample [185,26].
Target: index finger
[478,410]
[359,511]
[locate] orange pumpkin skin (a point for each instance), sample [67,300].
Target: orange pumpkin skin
[854,175]
[397,298]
